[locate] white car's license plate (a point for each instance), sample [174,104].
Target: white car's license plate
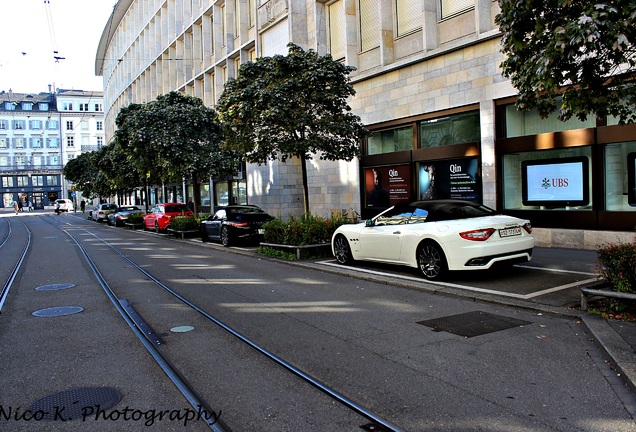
[509,232]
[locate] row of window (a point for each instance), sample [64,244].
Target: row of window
[23,143]
[26,181]
[83,107]
[46,125]
[37,161]
[25,106]
[407,15]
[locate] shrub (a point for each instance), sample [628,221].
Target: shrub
[308,229]
[617,265]
[135,218]
[184,223]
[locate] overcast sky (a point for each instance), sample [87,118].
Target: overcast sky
[33,29]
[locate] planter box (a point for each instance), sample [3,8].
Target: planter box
[298,248]
[181,233]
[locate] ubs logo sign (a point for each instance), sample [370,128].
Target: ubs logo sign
[555,183]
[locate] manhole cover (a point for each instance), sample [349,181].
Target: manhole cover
[471,324]
[181,329]
[57,311]
[78,403]
[54,287]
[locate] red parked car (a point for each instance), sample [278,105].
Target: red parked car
[159,217]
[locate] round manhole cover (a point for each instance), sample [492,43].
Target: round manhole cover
[54,287]
[181,329]
[58,311]
[78,403]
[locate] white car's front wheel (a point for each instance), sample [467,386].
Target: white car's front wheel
[342,250]
[431,261]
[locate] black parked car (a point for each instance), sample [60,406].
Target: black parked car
[235,222]
[120,216]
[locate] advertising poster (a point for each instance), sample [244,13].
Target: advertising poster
[455,179]
[386,186]
[555,181]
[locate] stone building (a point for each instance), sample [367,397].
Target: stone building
[428,85]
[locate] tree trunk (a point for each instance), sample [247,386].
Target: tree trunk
[305,186]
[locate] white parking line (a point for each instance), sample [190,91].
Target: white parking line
[475,289]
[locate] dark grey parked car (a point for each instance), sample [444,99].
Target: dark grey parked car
[121,215]
[235,222]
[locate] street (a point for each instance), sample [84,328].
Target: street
[364,332]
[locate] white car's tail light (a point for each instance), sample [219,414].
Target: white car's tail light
[477,235]
[528,227]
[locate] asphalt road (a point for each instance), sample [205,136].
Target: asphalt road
[369,337]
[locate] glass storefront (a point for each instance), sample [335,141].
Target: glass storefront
[620,176]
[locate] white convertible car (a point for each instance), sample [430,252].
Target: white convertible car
[436,236]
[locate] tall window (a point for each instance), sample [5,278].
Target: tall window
[3,124]
[19,125]
[69,125]
[52,125]
[51,180]
[35,124]
[4,143]
[37,180]
[409,16]
[70,141]
[275,40]
[23,181]
[100,141]
[83,107]
[43,106]
[98,107]
[67,106]
[20,160]
[337,36]
[454,7]
[52,142]
[36,143]
[4,161]
[7,182]
[20,143]
[369,24]
[27,106]
[99,125]
[9,106]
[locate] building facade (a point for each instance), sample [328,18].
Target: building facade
[39,133]
[429,87]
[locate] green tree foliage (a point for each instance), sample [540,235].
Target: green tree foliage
[87,178]
[582,50]
[174,137]
[120,173]
[291,106]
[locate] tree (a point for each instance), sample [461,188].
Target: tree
[86,176]
[120,173]
[291,106]
[172,138]
[582,50]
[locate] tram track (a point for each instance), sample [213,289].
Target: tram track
[9,280]
[377,423]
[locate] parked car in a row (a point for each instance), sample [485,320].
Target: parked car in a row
[436,236]
[121,215]
[101,212]
[160,215]
[235,222]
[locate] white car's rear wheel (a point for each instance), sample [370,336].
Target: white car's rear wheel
[342,250]
[431,261]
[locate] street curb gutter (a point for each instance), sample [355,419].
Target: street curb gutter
[613,344]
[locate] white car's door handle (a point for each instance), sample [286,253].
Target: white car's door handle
[397,232]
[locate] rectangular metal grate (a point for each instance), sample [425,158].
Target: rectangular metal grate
[472,324]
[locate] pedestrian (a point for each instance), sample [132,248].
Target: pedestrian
[57,208]
[16,207]
[20,204]
[30,203]
[191,205]
[82,205]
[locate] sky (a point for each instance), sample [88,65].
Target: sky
[33,29]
